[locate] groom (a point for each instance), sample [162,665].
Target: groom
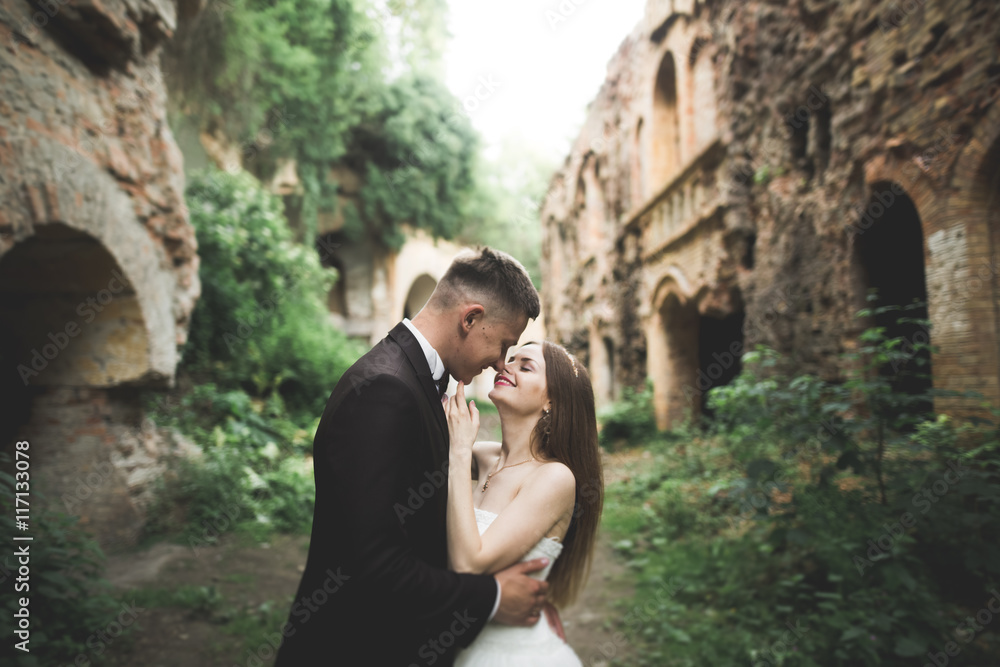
[376,589]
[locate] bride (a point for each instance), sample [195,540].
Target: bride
[539,493]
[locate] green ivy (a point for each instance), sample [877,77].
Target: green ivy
[320,82]
[261,323]
[252,477]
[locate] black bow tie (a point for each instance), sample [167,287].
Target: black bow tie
[442,384]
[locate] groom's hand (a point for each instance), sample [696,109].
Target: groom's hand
[521,597]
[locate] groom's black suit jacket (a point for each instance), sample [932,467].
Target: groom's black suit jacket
[376,590]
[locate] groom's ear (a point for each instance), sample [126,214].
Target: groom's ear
[472,315]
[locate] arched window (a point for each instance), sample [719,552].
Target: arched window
[890,227]
[665,142]
[703,115]
[336,300]
[638,175]
[590,205]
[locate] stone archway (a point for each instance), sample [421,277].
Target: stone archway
[77,332]
[889,254]
[695,343]
[99,301]
[987,196]
[421,255]
[672,361]
[720,353]
[417,295]
[162,270]
[78,317]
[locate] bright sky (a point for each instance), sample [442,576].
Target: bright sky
[536,63]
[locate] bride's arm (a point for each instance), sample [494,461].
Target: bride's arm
[546,496]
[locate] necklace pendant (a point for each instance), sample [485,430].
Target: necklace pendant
[486,483]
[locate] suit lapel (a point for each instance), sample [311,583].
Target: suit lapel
[439,445]
[415,355]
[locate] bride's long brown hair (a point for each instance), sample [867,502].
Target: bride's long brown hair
[568,434]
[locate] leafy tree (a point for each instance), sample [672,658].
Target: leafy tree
[313,81]
[261,322]
[513,185]
[417,154]
[419,30]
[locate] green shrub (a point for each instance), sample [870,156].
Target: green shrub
[69,598]
[261,323]
[840,510]
[628,421]
[252,477]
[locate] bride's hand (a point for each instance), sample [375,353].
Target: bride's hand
[463,421]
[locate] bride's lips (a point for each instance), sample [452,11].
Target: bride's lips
[501,379]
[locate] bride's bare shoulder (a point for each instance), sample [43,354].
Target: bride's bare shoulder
[555,472]
[556,481]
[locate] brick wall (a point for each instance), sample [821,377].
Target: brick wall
[816,104]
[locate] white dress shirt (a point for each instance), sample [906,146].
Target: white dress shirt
[437,370]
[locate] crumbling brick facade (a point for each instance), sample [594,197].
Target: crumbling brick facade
[98,262]
[750,169]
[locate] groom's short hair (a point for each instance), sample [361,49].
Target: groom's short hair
[491,277]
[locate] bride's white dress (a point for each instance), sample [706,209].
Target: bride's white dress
[501,645]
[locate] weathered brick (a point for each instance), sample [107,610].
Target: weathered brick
[899,110]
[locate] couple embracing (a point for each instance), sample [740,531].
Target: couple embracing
[427,547]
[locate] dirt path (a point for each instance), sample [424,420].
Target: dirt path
[254,584]
[228,581]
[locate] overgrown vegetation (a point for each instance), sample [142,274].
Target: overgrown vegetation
[253,477]
[335,83]
[264,357]
[69,601]
[352,93]
[261,324]
[243,629]
[628,420]
[815,523]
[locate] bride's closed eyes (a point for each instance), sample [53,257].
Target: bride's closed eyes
[526,365]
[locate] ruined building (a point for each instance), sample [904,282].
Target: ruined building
[750,169]
[98,263]
[98,260]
